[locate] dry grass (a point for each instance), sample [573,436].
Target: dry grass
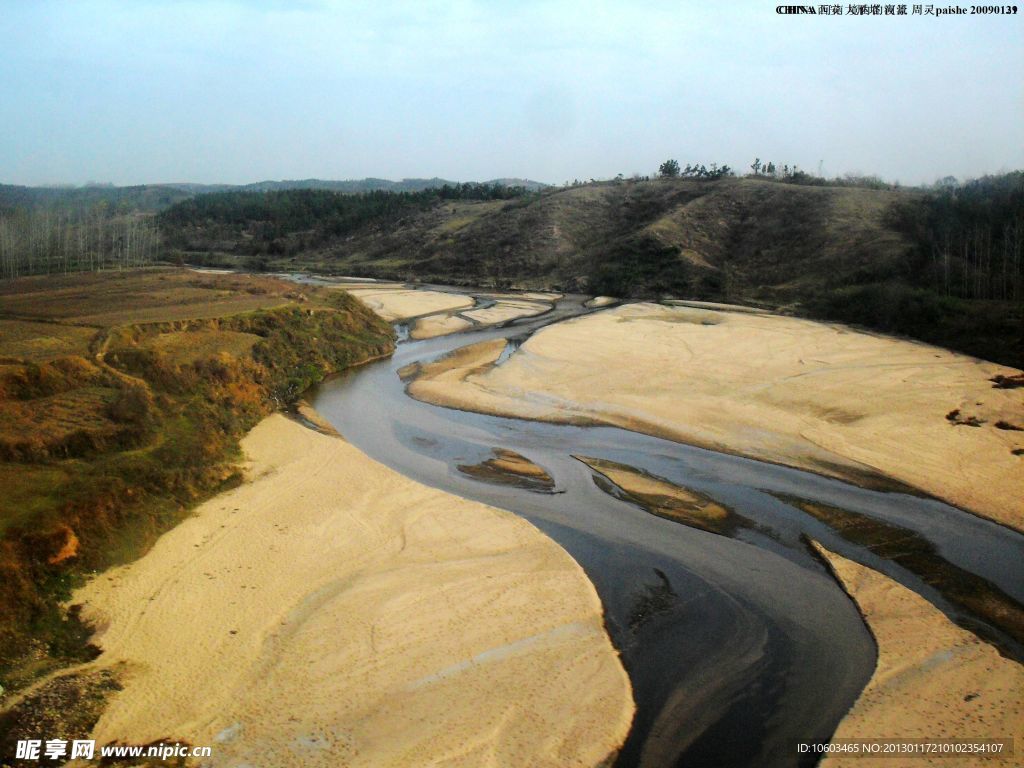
[174,312]
[186,348]
[152,296]
[109,433]
[52,419]
[457,215]
[39,342]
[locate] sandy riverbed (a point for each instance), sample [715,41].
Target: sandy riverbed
[502,311]
[933,679]
[332,612]
[396,303]
[439,325]
[812,395]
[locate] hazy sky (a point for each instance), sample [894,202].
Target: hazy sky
[235,91]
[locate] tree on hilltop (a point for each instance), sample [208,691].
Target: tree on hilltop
[669,169]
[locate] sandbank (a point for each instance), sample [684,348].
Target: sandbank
[536,295]
[401,304]
[660,497]
[817,396]
[503,311]
[438,325]
[331,612]
[507,467]
[933,680]
[500,312]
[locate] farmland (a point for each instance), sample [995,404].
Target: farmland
[122,400]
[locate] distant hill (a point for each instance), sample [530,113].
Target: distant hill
[645,238]
[146,198]
[352,186]
[945,266]
[149,198]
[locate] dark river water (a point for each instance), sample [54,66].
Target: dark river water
[737,648]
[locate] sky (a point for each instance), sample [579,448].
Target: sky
[236,91]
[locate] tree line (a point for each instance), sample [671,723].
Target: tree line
[671,169]
[791,174]
[49,240]
[280,221]
[971,237]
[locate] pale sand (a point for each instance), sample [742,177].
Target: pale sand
[438,325]
[927,669]
[600,301]
[811,395]
[660,496]
[517,464]
[538,295]
[398,304]
[546,296]
[334,613]
[509,467]
[369,286]
[504,311]
[501,312]
[318,422]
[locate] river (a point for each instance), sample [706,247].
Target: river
[737,647]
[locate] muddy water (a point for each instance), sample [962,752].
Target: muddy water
[738,648]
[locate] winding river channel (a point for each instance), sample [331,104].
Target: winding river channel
[738,647]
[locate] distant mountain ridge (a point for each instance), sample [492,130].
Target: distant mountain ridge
[369,184]
[143,197]
[157,197]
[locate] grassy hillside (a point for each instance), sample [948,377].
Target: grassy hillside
[636,237]
[122,400]
[943,266]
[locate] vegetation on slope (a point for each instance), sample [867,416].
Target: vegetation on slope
[113,422]
[46,230]
[354,186]
[944,265]
[282,223]
[46,241]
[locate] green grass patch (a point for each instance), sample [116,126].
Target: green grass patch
[32,492]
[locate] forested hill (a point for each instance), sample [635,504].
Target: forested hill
[157,197]
[354,186]
[260,226]
[944,265]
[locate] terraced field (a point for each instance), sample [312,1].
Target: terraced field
[122,400]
